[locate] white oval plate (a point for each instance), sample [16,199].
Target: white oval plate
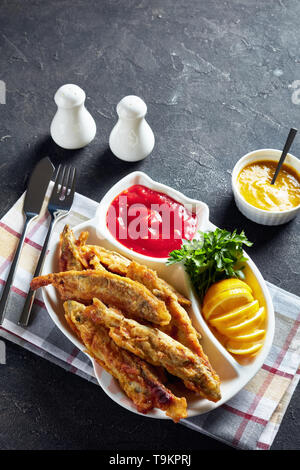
[234,375]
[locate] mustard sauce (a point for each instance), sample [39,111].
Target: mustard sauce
[254,183]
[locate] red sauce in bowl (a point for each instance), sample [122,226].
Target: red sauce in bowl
[150,222]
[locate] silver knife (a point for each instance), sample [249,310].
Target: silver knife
[33,202]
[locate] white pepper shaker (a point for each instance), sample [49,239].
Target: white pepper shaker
[132,138]
[72,127]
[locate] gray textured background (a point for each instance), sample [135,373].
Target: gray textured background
[216,76]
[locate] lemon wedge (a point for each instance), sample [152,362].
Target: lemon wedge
[230,308]
[235,316]
[226,301]
[247,325]
[249,351]
[223,285]
[255,335]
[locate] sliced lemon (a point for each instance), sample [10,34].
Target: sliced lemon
[235,316]
[248,325]
[255,335]
[249,351]
[226,301]
[223,285]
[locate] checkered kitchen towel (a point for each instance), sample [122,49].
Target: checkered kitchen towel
[250,420]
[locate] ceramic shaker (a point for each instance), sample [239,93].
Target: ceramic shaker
[132,138]
[72,127]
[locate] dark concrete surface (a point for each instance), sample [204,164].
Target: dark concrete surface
[217,78]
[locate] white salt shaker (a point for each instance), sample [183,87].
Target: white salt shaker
[72,127]
[132,138]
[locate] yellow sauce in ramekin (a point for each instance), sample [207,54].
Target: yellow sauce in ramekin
[254,184]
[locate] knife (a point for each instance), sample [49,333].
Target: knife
[33,201]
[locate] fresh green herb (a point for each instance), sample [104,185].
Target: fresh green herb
[212,257]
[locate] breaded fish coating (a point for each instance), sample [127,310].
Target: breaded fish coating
[111,260]
[158,348]
[69,254]
[148,277]
[180,326]
[137,378]
[130,296]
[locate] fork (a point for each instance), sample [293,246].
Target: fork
[58,207]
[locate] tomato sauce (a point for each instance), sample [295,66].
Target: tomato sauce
[150,222]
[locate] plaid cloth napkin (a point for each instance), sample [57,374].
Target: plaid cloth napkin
[250,420]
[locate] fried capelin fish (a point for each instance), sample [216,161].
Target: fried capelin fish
[70,258]
[76,250]
[180,326]
[118,264]
[158,349]
[130,296]
[137,378]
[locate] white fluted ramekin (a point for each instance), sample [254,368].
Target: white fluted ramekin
[255,214]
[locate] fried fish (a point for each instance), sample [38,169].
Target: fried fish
[70,257]
[148,277]
[180,326]
[118,264]
[111,260]
[137,378]
[157,348]
[128,295]
[76,255]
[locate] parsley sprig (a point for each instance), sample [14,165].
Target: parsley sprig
[211,257]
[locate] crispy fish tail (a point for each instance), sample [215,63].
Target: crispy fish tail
[148,277]
[70,257]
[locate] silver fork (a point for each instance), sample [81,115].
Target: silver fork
[59,206]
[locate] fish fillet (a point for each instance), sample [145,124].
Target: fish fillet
[130,296]
[157,348]
[138,379]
